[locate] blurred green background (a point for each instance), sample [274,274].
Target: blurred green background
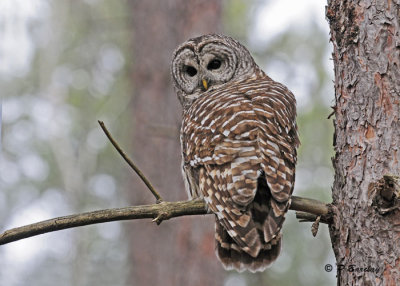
[66,64]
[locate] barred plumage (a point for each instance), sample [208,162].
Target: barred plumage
[239,140]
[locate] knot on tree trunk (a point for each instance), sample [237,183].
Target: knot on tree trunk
[384,195]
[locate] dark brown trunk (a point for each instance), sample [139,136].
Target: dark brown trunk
[366,39]
[179,252]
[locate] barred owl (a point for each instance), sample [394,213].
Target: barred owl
[239,140]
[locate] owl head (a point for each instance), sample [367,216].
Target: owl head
[207,62]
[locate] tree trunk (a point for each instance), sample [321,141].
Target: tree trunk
[365,236]
[179,253]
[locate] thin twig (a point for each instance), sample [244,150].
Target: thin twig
[307,217]
[130,162]
[158,212]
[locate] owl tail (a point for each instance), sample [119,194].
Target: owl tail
[267,216]
[232,257]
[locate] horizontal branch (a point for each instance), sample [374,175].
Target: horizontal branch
[158,212]
[166,209]
[309,206]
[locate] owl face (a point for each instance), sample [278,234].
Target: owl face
[207,62]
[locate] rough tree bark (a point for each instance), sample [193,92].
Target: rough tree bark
[181,253]
[366,39]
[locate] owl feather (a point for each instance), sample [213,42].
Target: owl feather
[239,141]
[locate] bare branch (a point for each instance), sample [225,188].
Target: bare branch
[157,212]
[309,206]
[130,162]
[307,217]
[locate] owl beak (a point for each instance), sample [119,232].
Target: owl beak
[205,84]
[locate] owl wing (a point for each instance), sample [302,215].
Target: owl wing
[278,142]
[233,138]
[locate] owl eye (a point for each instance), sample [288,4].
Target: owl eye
[191,71]
[214,64]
